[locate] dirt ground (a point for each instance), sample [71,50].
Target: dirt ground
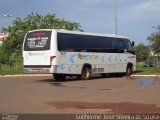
[34,95]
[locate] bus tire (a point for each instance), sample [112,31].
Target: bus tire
[59,76]
[86,74]
[128,71]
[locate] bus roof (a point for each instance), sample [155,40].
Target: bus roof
[89,33]
[83,33]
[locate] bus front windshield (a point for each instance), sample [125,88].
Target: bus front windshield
[37,40]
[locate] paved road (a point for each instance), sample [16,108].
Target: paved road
[100,95]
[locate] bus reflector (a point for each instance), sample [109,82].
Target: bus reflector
[51,58]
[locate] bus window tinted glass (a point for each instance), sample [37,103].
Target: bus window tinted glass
[129,46]
[83,42]
[70,41]
[120,43]
[37,40]
[98,42]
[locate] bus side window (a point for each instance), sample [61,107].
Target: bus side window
[120,44]
[129,46]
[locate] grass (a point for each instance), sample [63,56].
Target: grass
[15,68]
[147,70]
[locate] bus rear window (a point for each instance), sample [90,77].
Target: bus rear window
[37,40]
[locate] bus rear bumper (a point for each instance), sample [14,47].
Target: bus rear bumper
[39,69]
[36,70]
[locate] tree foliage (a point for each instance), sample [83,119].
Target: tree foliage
[19,28]
[142,52]
[154,39]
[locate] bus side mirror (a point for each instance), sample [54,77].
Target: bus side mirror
[133,43]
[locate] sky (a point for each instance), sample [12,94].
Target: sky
[135,18]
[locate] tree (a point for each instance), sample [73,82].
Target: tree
[19,28]
[154,39]
[142,52]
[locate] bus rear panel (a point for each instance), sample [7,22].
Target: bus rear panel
[38,55]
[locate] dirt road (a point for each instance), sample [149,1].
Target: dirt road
[99,95]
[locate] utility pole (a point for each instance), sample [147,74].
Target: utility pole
[115,15]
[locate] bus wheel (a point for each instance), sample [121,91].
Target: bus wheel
[128,71]
[59,76]
[86,74]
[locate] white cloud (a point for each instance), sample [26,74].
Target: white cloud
[141,11]
[95,1]
[136,18]
[152,5]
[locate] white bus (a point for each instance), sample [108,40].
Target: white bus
[71,53]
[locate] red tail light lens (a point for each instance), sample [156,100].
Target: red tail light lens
[51,59]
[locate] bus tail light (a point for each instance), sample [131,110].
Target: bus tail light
[36,70]
[51,59]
